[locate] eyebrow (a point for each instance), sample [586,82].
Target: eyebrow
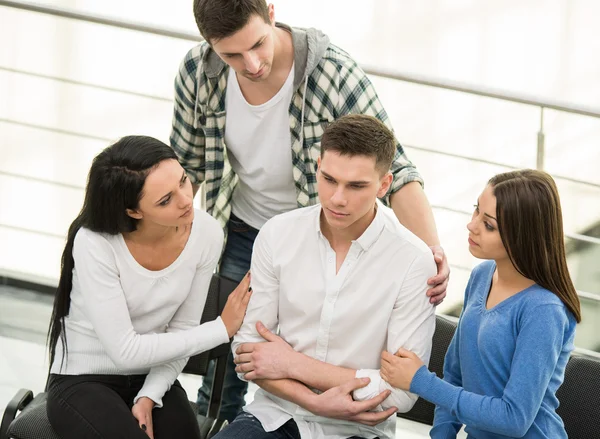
[489,216]
[351,182]
[253,47]
[170,193]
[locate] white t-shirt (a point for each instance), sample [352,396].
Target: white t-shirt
[259,145]
[125,319]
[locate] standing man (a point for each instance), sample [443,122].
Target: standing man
[251,104]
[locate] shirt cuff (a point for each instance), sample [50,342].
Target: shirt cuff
[152,394]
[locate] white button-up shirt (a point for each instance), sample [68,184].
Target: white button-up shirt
[375,302]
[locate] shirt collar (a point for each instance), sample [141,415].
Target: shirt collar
[369,236]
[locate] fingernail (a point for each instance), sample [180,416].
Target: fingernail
[250,289]
[144,427]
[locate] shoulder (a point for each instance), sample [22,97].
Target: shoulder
[93,242]
[399,234]
[296,222]
[208,233]
[540,302]
[192,61]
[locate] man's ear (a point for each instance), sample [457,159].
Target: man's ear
[271,8]
[385,183]
[134,214]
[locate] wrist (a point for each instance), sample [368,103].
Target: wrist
[296,363]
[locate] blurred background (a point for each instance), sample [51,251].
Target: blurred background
[473,88]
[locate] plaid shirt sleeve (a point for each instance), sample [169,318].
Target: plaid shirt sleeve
[358,96]
[187,140]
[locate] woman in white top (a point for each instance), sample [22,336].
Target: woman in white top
[134,278]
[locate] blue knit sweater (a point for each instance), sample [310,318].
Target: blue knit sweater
[503,366]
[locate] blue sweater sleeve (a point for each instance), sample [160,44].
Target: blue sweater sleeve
[538,348]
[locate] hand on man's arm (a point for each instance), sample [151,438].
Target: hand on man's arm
[275,359]
[336,403]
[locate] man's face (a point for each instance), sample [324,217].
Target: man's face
[250,50]
[348,187]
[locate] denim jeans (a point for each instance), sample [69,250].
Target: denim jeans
[235,263]
[248,427]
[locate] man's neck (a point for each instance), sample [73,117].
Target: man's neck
[342,238]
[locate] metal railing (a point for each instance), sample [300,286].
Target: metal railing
[487,92]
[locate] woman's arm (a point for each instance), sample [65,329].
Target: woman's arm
[539,345]
[106,307]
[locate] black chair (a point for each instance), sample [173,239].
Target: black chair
[25,415]
[423,410]
[579,396]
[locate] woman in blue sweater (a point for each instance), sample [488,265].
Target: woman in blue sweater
[516,331]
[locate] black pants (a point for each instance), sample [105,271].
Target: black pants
[99,406]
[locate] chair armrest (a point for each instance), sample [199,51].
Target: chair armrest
[16,404]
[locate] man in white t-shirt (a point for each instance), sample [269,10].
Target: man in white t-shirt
[251,104]
[341,281]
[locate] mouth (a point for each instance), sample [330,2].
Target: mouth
[337,214]
[187,213]
[473,243]
[257,74]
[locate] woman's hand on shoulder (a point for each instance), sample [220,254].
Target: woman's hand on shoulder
[235,308]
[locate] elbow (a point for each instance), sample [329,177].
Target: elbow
[403,401]
[514,425]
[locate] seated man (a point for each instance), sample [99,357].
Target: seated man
[342,281]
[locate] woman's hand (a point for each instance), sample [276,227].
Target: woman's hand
[398,370]
[235,308]
[142,411]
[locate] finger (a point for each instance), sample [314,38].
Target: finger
[245,348]
[251,376]
[354,384]
[374,418]
[265,333]
[438,289]
[150,427]
[386,356]
[243,358]
[370,404]
[401,352]
[247,296]
[244,368]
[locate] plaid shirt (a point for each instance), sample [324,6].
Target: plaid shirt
[335,87]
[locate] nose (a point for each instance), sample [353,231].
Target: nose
[338,198]
[252,62]
[472,225]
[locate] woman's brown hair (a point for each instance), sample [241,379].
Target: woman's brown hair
[531,228]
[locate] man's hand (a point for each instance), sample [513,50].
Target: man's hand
[270,360]
[337,403]
[439,282]
[142,411]
[399,370]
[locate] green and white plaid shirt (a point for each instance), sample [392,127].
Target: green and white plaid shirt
[330,85]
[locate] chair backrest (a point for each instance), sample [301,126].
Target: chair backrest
[579,397]
[218,292]
[423,410]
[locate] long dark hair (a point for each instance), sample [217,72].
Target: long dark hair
[531,228]
[114,185]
